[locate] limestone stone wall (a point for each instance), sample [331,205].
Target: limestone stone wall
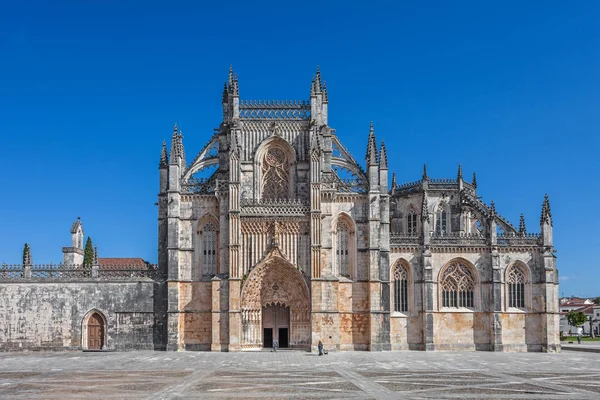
[50,315]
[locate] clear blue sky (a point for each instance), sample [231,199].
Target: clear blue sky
[89,90]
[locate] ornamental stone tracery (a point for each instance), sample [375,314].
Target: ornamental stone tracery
[275,175]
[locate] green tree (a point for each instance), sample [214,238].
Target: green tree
[88,254]
[596,300]
[576,318]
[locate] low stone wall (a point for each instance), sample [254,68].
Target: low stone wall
[49,315]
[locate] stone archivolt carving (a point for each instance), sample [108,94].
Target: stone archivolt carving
[275,281]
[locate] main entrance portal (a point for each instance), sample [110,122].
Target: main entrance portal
[276,325]
[275,304]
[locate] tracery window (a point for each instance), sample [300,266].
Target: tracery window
[458,286]
[209,248]
[441,220]
[400,288]
[411,222]
[515,279]
[275,175]
[342,248]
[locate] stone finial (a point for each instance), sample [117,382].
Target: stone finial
[164,157]
[474,182]
[325,96]
[313,87]
[230,77]
[95,258]
[383,164]
[175,144]
[522,228]
[425,177]
[318,80]
[27,260]
[393,183]
[372,147]
[459,175]
[546,217]
[493,208]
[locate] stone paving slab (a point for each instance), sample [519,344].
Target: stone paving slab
[299,375]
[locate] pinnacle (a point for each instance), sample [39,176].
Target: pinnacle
[493,207]
[522,228]
[164,157]
[459,175]
[372,147]
[318,81]
[393,182]
[383,164]
[325,96]
[474,182]
[546,213]
[425,177]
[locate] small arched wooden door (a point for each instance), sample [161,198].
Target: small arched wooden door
[95,332]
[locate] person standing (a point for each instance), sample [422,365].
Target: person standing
[320,347]
[275,345]
[579,334]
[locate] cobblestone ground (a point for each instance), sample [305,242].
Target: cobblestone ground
[299,375]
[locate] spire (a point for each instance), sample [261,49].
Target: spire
[313,87]
[474,182]
[325,97]
[180,145]
[319,82]
[225,92]
[383,157]
[230,78]
[174,144]
[372,147]
[164,157]
[522,229]
[425,177]
[393,183]
[459,175]
[546,213]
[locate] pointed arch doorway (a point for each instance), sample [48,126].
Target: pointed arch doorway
[276,325]
[275,303]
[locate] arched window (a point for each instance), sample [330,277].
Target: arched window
[275,174]
[209,248]
[516,279]
[411,222]
[400,288]
[441,220]
[343,248]
[458,286]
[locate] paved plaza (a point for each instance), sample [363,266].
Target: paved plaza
[299,375]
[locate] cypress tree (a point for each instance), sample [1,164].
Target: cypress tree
[88,254]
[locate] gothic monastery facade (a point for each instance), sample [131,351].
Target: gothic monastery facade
[290,238]
[274,231]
